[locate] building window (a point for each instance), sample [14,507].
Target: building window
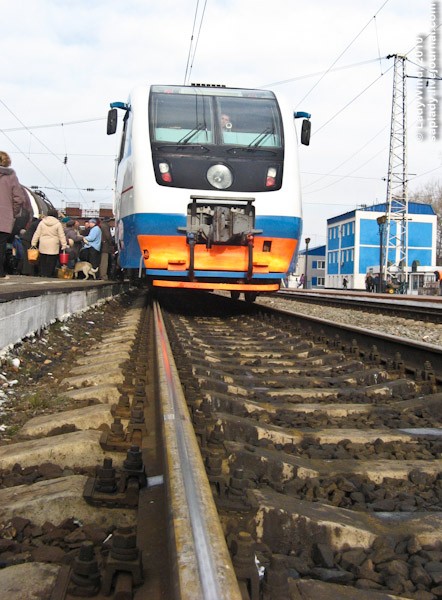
[321,264]
[321,281]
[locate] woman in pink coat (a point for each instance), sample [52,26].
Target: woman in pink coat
[49,236]
[12,200]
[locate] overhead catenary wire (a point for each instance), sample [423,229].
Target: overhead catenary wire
[44,146]
[342,53]
[332,68]
[308,75]
[342,163]
[352,100]
[377,41]
[193,46]
[348,175]
[46,126]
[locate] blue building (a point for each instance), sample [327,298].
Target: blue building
[314,269]
[353,243]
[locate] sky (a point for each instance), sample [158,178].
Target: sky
[64,61]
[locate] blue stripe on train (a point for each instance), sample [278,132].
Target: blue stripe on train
[162,224]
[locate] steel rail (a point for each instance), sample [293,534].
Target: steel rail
[425,307]
[203,566]
[413,353]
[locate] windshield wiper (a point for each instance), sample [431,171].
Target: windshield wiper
[179,147]
[261,137]
[186,139]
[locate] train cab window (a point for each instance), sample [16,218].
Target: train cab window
[126,138]
[251,122]
[181,119]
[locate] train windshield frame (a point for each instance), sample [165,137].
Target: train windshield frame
[187,116]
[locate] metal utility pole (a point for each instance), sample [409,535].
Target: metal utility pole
[396,229]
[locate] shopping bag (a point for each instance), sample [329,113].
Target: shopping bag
[33,254]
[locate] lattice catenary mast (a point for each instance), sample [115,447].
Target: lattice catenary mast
[396,218]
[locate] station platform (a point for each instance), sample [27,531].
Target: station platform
[28,304]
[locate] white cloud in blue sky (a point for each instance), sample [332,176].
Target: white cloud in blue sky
[65,60]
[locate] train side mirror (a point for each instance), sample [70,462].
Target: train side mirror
[306,126]
[305,132]
[112,119]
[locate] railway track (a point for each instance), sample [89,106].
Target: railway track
[324,452]
[424,308]
[323,457]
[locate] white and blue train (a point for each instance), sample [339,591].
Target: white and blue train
[207,191]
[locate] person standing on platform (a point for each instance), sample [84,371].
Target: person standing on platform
[12,202]
[93,242]
[107,247]
[26,238]
[75,241]
[49,236]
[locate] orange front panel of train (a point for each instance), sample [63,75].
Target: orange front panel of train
[172,253]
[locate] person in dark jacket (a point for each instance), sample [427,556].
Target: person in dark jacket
[107,248]
[29,268]
[74,240]
[12,201]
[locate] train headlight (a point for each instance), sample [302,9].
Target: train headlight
[220,177]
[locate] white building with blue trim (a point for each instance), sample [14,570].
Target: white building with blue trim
[353,243]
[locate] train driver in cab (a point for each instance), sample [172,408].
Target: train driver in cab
[225,122]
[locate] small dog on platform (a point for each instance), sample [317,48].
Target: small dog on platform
[86,268]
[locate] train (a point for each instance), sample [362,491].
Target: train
[207,187]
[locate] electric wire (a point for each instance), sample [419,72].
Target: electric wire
[33,136]
[308,75]
[193,47]
[48,125]
[197,39]
[330,173]
[342,53]
[377,41]
[348,175]
[352,100]
[191,43]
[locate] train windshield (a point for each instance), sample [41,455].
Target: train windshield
[194,116]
